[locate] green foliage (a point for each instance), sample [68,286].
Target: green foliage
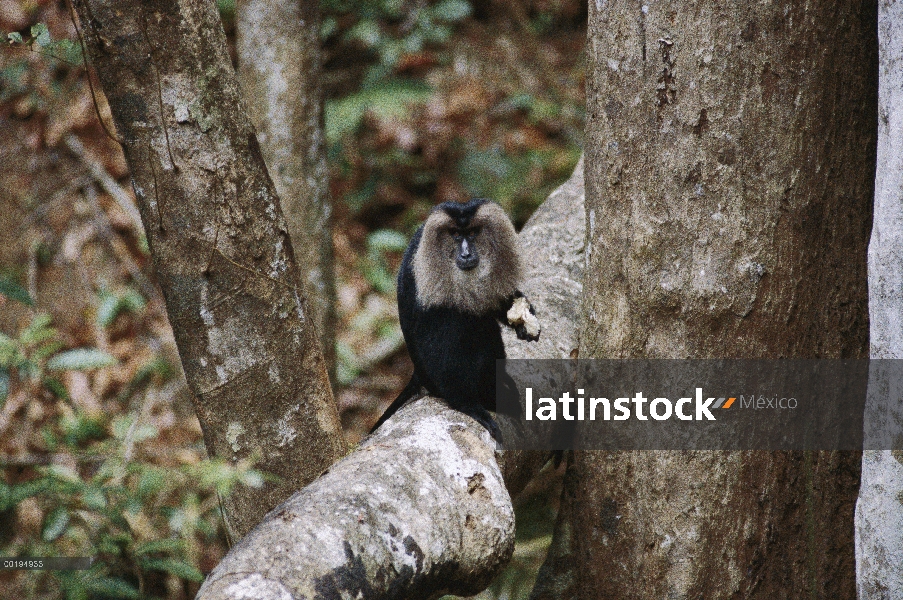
[40,35]
[136,518]
[389,100]
[13,79]
[501,176]
[142,521]
[112,303]
[40,41]
[392,28]
[80,359]
[226,9]
[378,318]
[14,291]
[36,350]
[374,267]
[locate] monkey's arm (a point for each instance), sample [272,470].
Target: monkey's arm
[520,315]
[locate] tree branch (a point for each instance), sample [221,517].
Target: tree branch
[419,510]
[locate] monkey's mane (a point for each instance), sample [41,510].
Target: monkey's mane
[479,291]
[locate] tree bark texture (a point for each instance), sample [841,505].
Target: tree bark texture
[219,244]
[552,243]
[879,510]
[419,510]
[730,160]
[278,44]
[423,507]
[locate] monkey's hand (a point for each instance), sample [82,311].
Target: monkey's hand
[522,317]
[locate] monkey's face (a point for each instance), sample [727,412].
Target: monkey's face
[465,243]
[468,257]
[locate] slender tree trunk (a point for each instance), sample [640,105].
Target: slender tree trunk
[879,510]
[279,70]
[219,243]
[730,161]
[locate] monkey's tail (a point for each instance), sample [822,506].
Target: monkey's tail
[411,390]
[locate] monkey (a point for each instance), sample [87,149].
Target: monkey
[457,283]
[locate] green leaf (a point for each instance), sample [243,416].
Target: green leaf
[94,498]
[252,479]
[388,101]
[4,385]
[111,304]
[367,31]
[171,565]
[107,309]
[69,51]
[329,26]
[46,349]
[55,524]
[81,359]
[452,10]
[41,35]
[56,386]
[387,240]
[14,291]
[38,330]
[133,301]
[111,588]
[378,276]
[164,545]
[226,9]
[14,37]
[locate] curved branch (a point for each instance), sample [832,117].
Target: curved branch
[419,510]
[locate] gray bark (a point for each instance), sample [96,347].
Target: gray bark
[423,507]
[278,43]
[219,244]
[730,160]
[419,510]
[879,510]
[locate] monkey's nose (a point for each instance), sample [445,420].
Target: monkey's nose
[466,260]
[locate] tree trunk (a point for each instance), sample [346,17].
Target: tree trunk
[730,161]
[219,243]
[879,510]
[278,45]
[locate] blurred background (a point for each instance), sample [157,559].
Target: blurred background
[100,452]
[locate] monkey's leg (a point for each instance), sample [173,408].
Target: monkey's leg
[411,390]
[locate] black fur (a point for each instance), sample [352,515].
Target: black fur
[453,352]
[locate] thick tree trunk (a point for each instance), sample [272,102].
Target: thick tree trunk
[219,243]
[879,510]
[730,161]
[278,45]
